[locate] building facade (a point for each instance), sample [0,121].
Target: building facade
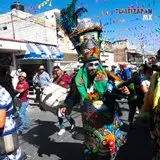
[39,34]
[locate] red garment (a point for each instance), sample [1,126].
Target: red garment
[23,85]
[63,80]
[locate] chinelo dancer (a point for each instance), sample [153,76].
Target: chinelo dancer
[99,114]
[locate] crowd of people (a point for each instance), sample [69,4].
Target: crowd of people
[137,77]
[94,89]
[136,82]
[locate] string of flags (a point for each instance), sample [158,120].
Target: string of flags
[33,9]
[139,36]
[44,3]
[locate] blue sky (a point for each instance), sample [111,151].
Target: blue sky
[131,26]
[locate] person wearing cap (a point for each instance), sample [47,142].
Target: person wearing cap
[102,136]
[22,89]
[113,69]
[125,72]
[41,79]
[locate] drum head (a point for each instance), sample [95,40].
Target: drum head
[52,96]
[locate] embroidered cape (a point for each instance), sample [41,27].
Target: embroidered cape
[99,82]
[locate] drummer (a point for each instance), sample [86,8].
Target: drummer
[62,79]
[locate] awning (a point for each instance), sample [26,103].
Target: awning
[41,51]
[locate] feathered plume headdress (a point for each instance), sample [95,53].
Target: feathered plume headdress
[83,34]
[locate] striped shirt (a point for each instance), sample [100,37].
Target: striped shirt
[7,104]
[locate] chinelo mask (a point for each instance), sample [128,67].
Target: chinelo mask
[92,67]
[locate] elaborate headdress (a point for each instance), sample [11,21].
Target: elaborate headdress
[83,34]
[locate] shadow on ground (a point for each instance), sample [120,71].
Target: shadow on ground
[39,137]
[124,127]
[139,145]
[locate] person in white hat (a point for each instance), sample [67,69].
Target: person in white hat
[41,67]
[41,79]
[23,89]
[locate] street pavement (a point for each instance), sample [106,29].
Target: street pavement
[41,142]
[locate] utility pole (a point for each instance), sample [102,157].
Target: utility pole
[142,50]
[12,26]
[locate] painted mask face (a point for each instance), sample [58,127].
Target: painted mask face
[92,67]
[90,45]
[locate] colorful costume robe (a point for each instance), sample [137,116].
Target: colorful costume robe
[100,120]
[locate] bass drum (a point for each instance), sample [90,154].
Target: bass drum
[52,96]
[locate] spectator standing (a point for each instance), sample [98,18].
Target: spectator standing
[141,87]
[113,69]
[125,73]
[40,80]
[22,89]
[7,123]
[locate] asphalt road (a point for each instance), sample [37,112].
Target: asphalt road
[41,141]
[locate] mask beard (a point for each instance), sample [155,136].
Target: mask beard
[92,72]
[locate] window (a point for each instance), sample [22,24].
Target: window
[2,28]
[5,28]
